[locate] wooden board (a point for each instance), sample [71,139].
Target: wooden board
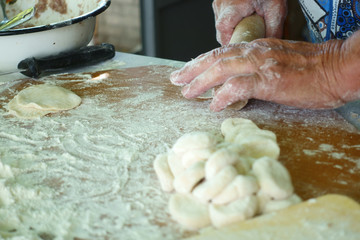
[330,217]
[139,110]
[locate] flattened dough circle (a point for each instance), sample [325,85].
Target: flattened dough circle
[39,100]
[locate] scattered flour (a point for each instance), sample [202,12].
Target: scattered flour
[87,173]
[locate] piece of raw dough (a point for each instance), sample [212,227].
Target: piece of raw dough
[241,187]
[190,178]
[191,157]
[239,210]
[175,164]
[257,146]
[273,178]
[231,127]
[210,94]
[266,204]
[210,188]
[194,141]
[163,172]
[218,160]
[39,100]
[233,178]
[188,211]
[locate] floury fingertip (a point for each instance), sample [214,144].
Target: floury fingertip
[185,90]
[174,76]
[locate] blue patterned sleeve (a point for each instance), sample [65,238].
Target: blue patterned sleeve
[331,19]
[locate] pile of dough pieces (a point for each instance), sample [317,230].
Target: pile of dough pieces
[221,180]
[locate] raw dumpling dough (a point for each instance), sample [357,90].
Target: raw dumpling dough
[239,210]
[188,211]
[39,100]
[221,180]
[273,178]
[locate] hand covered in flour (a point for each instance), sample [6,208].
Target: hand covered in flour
[297,74]
[228,13]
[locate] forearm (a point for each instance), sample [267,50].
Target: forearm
[348,77]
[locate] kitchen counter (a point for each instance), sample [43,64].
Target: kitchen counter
[350,111]
[87,172]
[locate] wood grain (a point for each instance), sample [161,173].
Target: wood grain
[319,148]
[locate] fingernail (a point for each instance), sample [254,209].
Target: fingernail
[174,75]
[185,90]
[215,105]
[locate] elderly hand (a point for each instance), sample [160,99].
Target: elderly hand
[228,13]
[298,74]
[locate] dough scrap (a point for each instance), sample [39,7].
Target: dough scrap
[211,93]
[191,157]
[188,211]
[257,146]
[212,187]
[38,100]
[194,141]
[162,170]
[218,160]
[239,210]
[273,177]
[266,204]
[231,127]
[175,164]
[190,178]
[241,187]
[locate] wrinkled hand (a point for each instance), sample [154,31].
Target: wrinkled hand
[228,13]
[298,74]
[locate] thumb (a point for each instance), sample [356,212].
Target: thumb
[274,21]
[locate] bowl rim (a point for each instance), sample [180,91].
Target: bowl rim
[65,23]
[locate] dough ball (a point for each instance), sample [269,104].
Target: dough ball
[175,164]
[239,210]
[163,172]
[267,205]
[210,188]
[190,178]
[191,157]
[232,126]
[257,146]
[240,187]
[273,178]
[39,100]
[194,141]
[218,160]
[189,212]
[242,165]
[254,132]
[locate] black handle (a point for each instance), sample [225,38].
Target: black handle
[84,56]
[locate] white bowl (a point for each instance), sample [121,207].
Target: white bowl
[50,32]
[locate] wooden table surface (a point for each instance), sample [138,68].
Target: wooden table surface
[319,148]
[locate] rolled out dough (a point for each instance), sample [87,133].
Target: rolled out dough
[39,100]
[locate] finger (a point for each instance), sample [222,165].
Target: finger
[274,20]
[202,63]
[225,25]
[218,74]
[227,21]
[239,88]
[215,9]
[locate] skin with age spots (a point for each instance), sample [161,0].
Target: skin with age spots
[299,74]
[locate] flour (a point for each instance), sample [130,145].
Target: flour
[68,175]
[87,172]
